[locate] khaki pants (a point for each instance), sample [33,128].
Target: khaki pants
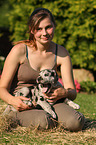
[69,118]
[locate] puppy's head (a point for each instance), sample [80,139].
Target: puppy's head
[47,78]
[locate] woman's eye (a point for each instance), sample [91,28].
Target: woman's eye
[38,29]
[48,27]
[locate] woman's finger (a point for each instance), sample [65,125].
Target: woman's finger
[24,107]
[50,94]
[52,97]
[24,98]
[52,101]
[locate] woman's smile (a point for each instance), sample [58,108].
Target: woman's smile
[45,38]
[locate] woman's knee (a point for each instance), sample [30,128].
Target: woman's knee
[36,118]
[76,123]
[68,117]
[44,121]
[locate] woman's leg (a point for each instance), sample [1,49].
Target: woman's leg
[34,117]
[68,117]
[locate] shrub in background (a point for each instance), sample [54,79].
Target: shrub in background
[88,86]
[78,86]
[2,59]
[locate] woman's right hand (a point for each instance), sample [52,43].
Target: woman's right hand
[18,104]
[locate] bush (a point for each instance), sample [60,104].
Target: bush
[88,86]
[77,85]
[1,63]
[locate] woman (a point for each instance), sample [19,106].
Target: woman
[22,67]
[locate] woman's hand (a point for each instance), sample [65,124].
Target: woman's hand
[18,104]
[56,94]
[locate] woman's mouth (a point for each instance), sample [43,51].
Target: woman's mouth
[45,38]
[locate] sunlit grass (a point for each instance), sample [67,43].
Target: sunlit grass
[87,104]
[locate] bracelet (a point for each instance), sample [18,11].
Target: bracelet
[67,90]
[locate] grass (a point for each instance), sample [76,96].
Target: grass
[87,104]
[56,136]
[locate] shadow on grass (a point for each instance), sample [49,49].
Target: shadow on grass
[89,124]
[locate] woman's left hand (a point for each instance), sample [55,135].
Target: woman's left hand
[56,94]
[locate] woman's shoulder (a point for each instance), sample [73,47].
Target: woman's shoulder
[62,51]
[18,51]
[62,55]
[19,48]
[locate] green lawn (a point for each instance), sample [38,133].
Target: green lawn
[57,136]
[87,104]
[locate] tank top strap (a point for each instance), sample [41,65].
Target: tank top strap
[26,52]
[56,53]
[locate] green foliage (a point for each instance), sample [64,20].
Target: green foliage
[4,11]
[76,26]
[1,63]
[88,86]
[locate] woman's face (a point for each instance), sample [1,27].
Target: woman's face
[45,31]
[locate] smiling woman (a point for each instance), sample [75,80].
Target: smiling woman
[22,67]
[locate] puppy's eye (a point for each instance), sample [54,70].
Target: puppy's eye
[52,74]
[46,74]
[39,79]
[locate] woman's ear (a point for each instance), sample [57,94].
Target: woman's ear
[30,29]
[32,32]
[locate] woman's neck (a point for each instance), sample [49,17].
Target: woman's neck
[43,47]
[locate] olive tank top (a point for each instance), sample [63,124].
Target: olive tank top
[26,75]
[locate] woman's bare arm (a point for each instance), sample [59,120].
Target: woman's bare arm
[67,73]
[69,90]
[15,57]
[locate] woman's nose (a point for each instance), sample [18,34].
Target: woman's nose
[44,32]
